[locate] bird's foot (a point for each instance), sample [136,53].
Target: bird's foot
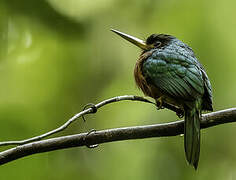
[159,103]
[180,113]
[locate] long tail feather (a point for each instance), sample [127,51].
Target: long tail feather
[192,136]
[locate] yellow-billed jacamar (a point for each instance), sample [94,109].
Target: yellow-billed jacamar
[168,71]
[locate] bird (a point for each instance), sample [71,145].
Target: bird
[168,71]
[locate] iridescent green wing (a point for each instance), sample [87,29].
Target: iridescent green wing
[178,78]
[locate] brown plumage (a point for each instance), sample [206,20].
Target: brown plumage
[140,80]
[148,88]
[138,75]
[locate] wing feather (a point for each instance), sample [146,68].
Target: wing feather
[179,81]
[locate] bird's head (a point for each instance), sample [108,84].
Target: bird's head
[154,41]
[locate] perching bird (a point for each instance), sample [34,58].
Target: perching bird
[168,71]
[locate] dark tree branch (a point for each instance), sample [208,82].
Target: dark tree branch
[110,135]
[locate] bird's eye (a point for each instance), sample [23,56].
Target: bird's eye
[157,44]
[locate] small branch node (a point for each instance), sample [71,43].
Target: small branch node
[93,108]
[90,145]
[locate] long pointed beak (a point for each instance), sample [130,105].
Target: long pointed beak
[138,42]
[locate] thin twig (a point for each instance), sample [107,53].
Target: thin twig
[82,113]
[110,135]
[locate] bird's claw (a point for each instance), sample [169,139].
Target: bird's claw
[159,103]
[180,113]
[160,107]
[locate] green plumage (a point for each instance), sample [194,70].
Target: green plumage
[192,135]
[180,80]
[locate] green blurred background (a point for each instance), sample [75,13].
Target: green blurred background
[58,55]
